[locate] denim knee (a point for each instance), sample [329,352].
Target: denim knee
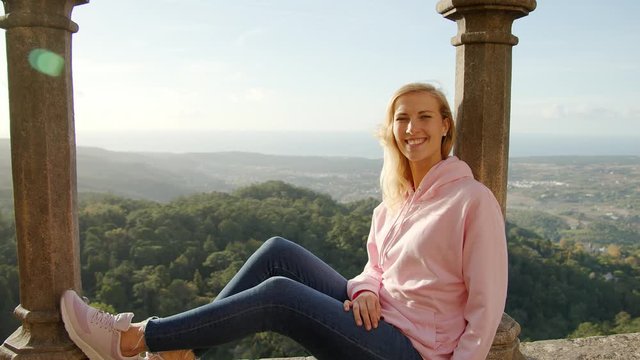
[278,285]
[276,242]
[277,245]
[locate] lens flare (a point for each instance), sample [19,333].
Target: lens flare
[46,62]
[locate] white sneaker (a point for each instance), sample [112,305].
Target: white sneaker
[95,332]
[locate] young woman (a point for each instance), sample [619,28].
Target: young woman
[434,286]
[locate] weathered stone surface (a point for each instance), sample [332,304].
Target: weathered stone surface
[506,342]
[295,358]
[614,347]
[622,346]
[44,173]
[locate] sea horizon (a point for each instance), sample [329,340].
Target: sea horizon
[333,143]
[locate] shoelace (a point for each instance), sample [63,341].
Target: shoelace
[153,356]
[104,320]
[184,355]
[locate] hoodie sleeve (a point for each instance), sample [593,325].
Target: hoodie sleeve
[371,277]
[485,270]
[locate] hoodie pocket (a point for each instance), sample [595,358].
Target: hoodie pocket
[448,331]
[424,322]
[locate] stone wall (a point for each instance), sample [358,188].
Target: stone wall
[619,347]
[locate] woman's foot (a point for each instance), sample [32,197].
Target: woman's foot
[98,334]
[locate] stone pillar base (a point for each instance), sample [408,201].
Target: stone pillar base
[506,352]
[42,336]
[506,345]
[21,345]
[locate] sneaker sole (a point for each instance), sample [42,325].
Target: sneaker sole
[86,349]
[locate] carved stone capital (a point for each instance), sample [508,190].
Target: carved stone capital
[484,21]
[449,7]
[54,14]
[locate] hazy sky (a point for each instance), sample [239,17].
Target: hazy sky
[331,65]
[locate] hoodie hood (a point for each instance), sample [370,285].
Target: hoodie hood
[446,171]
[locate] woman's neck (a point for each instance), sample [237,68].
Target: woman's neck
[420,169]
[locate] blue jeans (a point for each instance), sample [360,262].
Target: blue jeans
[286,289]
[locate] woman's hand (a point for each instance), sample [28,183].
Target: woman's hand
[366,309]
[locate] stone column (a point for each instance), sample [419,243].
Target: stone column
[43,157]
[482,103]
[483,84]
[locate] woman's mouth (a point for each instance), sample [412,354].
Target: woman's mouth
[412,142]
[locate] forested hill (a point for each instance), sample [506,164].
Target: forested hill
[161,258]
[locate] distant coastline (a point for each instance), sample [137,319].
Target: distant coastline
[342,144]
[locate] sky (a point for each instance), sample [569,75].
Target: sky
[329,65]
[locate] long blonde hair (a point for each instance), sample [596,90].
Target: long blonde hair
[395,178]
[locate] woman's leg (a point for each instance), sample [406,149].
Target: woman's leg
[277,257]
[281,257]
[315,320]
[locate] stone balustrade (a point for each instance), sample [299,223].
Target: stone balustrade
[613,347]
[621,346]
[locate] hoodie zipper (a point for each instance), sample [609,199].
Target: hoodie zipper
[392,235]
[391,238]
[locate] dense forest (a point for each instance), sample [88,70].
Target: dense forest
[161,258]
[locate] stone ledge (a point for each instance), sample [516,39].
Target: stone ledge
[618,347]
[621,346]
[294,358]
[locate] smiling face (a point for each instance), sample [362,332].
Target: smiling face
[418,129]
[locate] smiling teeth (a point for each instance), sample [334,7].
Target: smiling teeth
[415,141]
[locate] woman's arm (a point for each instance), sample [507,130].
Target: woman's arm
[371,277]
[485,270]
[363,289]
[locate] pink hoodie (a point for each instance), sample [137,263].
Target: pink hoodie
[439,264]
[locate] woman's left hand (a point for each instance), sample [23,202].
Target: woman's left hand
[366,309]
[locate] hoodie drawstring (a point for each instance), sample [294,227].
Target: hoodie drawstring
[390,240]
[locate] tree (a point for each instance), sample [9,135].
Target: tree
[614,251]
[586,329]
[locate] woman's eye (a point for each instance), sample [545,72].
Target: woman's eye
[402,119]
[425,117]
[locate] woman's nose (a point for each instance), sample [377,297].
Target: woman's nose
[409,129]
